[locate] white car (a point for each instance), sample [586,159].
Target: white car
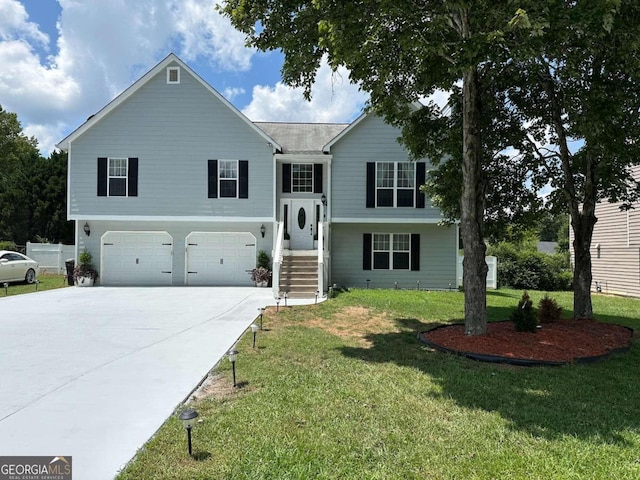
[15,267]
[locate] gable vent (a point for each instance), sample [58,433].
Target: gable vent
[173,75]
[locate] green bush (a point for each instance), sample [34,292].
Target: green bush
[521,266]
[548,310]
[7,245]
[523,316]
[263,260]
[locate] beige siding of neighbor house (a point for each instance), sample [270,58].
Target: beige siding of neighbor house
[615,249]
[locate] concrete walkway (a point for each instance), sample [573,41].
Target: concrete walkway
[92,373]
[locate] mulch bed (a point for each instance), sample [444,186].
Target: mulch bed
[555,343]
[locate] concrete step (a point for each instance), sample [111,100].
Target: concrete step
[305,264]
[298,288]
[311,283]
[302,295]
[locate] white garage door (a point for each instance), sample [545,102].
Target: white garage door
[136,258]
[220,258]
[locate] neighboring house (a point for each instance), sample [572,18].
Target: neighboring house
[615,249]
[169,184]
[547,247]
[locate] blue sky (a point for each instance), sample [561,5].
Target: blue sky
[64,60]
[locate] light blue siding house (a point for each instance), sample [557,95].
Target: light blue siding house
[169,184]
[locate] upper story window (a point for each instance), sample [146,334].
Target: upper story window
[173,75]
[117,177]
[228,175]
[302,178]
[228,179]
[395,183]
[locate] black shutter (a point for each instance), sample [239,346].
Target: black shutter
[243,173]
[286,178]
[317,178]
[133,177]
[102,177]
[366,251]
[420,177]
[213,179]
[371,184]
[415,252]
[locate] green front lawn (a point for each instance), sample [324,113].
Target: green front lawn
[46,281]
[343,390]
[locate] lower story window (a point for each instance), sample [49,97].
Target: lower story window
[391,251]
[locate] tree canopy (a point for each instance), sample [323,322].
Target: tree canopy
[399,52]
[32,188]
[577,91]
[536,77]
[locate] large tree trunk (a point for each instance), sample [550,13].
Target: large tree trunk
[583,223]
[475,268]
[582,276]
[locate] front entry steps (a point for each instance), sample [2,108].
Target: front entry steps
[299,275]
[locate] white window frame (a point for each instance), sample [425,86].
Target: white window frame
[392,249]
[293,182]
[221,179]
[169,71]
[125,176]
[396,187]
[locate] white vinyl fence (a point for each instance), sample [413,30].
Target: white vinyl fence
[492,274]
[51,256]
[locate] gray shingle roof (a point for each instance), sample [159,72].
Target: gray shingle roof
[302,137]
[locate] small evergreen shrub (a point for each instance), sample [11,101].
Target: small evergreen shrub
[85,268]
[548,310]
[263,260]
[524,317]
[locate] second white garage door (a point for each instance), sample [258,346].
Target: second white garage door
[136,258]
[216,258]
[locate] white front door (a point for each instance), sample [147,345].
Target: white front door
[301,226]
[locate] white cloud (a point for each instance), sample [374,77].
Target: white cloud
[333,100]
[103,46]
[230,93]
[47,135]
[204,32]
[14,24]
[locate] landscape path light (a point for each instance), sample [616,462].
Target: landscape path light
[188,418]
[261,310]
[254,329]
[277,303]
[317,293]
[6,289]
[233,356]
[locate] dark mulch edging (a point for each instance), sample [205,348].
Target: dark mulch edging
[514,360]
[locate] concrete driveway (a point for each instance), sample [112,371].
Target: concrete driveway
[92,373]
